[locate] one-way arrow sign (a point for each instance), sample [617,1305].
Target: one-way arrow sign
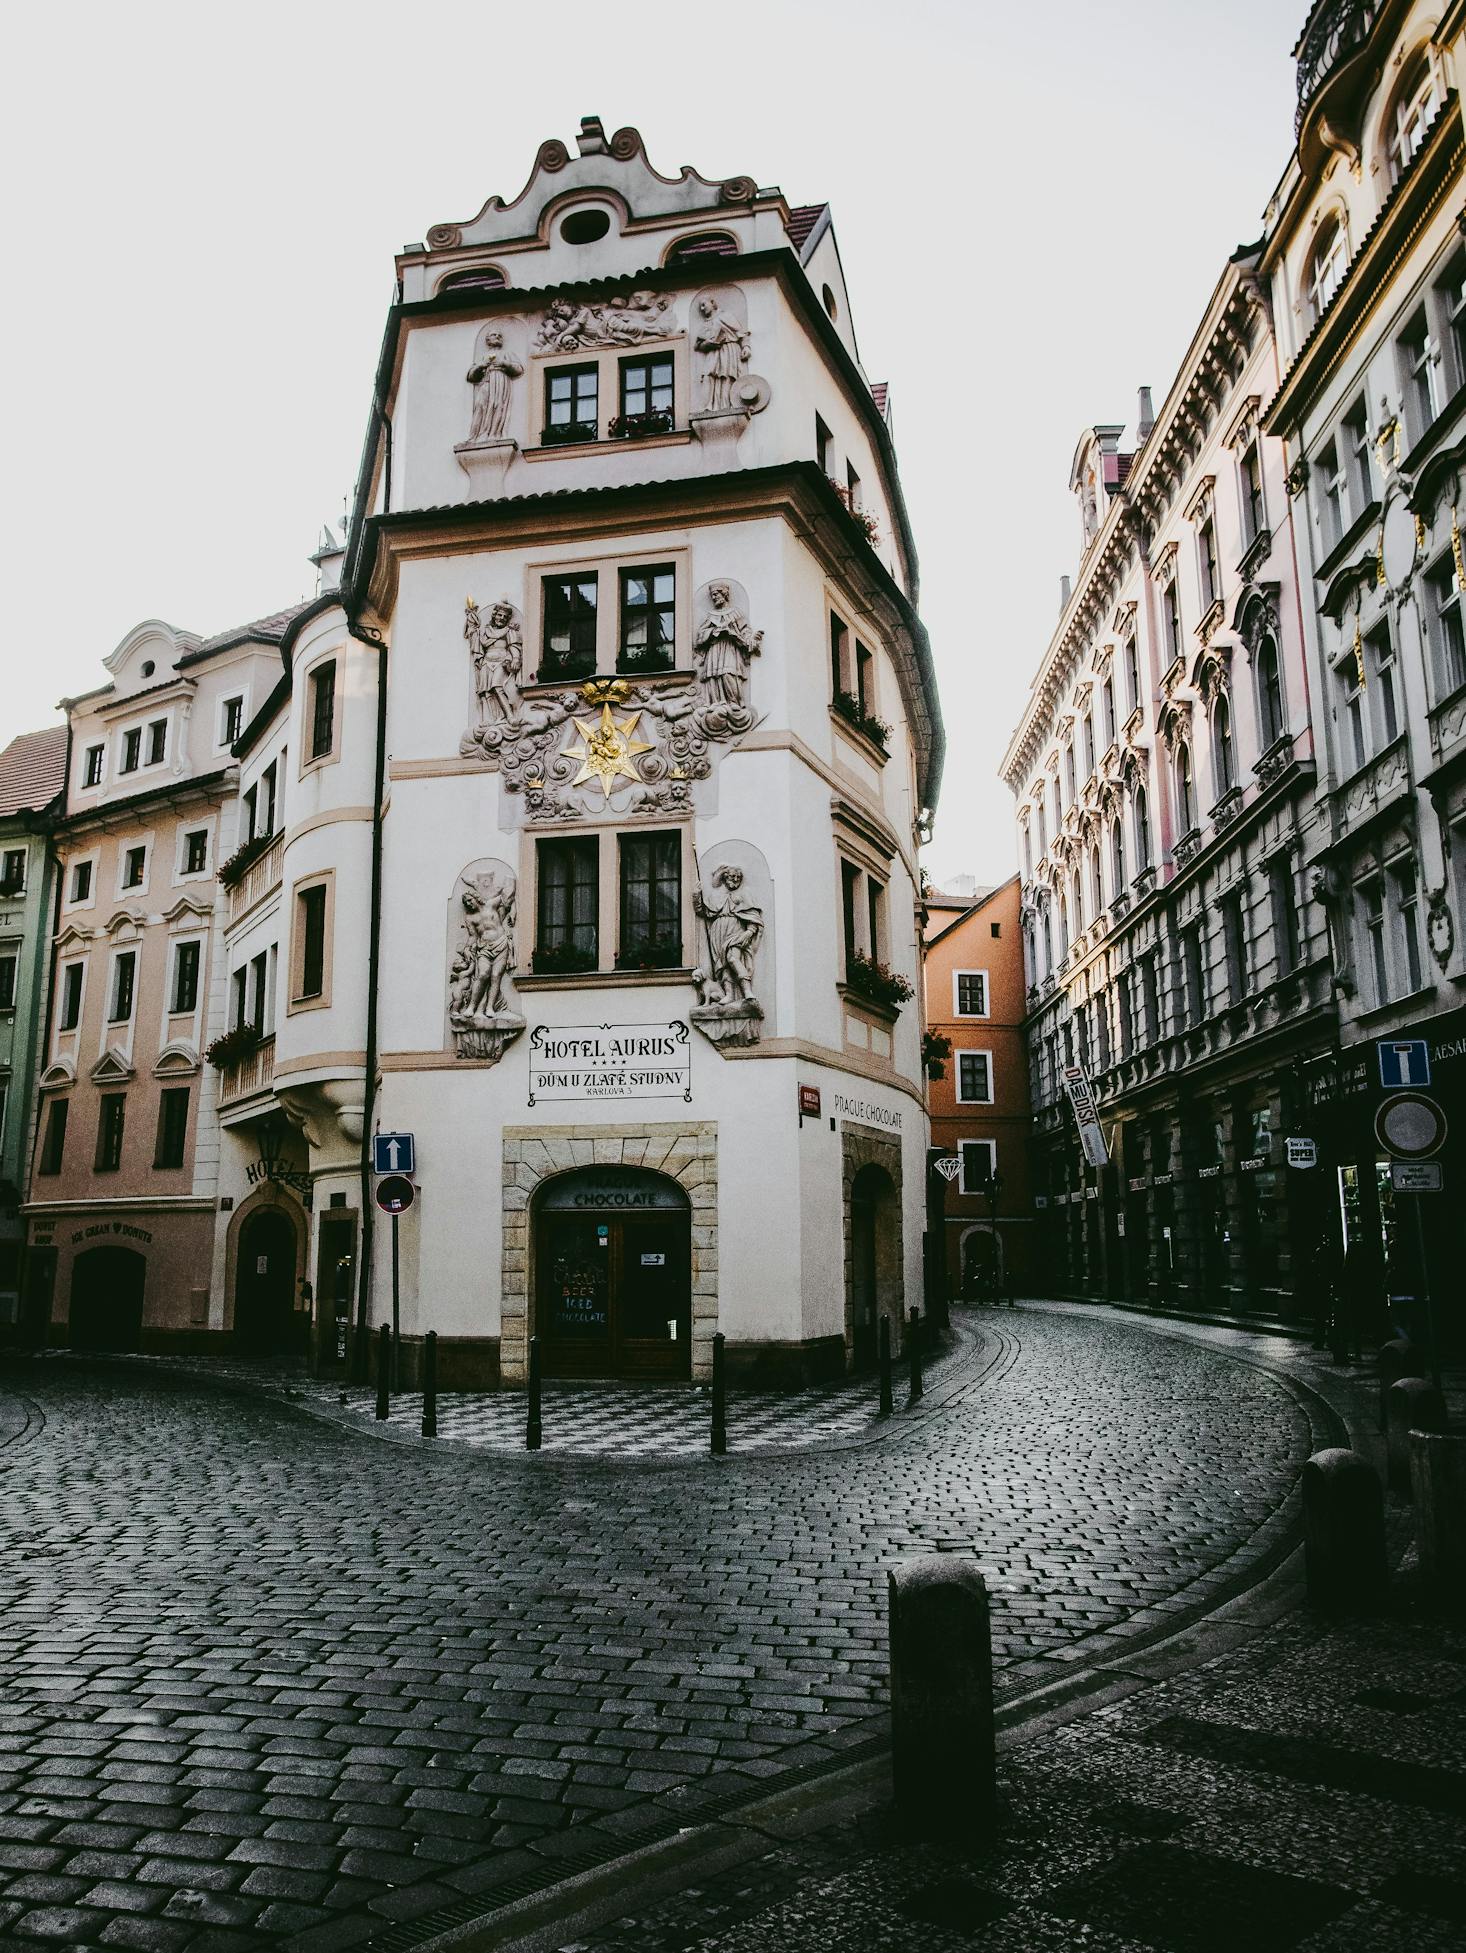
[394,1152]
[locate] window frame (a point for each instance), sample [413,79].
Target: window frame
[605,571]
[130,750]
[229,732]
[181,945]
[122,959]
[124,856]
[321,681]
[9,985]
[111,1134]
[576,848]
[65,1027]
[628,361]
[966,1098]
[88,896]
[664,612]
[300,999]
[629,957]
[93,776]
[983,977]
[573,370]
[1445,626]
[157,730]
[52,1152]
[172,1133]
[14,889]
[978,1190]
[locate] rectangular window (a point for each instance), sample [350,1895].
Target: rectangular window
[852,486]
[569,647]
[8,967]
[81,882]
[1206,542]
[648,619]
[971,993]
[12,871]
[864,678]
[1124,1013]
[567,922]
[1287,944]
[196,851]
[1194,965]
[124,978]
[1358,739]
[1359,458]
[571,409]
[1132,671]
[974,1078]
[233,720]
[239,998]
[91,769]
[185,977]
[157,741]
[109,1132]
[849,893]
[1371,897]
[1254,509]
[132,750]
[1150,992]
[1418,356]
[71,981]
[134,867]
[310,924]
[979,1165]
[53,1145]
[1088,730]
[1379,653]
[1107,700]
[1333,517]
[251,812]
[172,1126]
[267,798]
[1234,940]
[323,710]
[1452,291]
[824,446]
[1406,893]
[1447,634]
[651,902]
[1171,617]
[875,917]
[646,395]
[257,968]
[839,674]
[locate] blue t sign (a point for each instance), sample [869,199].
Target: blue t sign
[1403,1062]
[393,1152]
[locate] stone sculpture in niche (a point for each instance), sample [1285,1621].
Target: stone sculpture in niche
[727,1011]
[479,1015]
[723,342]
[492,377]
[496,645]
[621,321]
[650,740]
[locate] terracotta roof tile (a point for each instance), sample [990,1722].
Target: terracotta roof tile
[271,628]
[878,391]
[802,220]
[32,770]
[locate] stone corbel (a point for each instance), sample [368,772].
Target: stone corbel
[486,463]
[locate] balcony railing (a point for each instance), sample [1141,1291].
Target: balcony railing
[252,1074]
[1337,29]
[258,879]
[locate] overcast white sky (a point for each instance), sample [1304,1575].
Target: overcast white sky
[1033,204]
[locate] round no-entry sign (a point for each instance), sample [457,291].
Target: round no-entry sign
[395,1193]
[1410,1126]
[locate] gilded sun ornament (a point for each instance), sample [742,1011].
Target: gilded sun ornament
[607,751]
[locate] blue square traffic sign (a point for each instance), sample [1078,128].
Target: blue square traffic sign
[1403,1062]
[394,1152]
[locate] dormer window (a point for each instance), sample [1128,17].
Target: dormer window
[477,278]
[91,772]
[571,405]
[705,244]
[585,226]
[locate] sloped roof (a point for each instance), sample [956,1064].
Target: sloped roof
[271,629]
[878,391]
[802,220]
[32,770]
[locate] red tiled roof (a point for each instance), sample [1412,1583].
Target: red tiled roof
[270,628]
[802,220]
[32,770]
[878,392]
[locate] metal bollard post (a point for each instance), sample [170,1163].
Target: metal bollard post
[430,1384]
[1412,1404]
[1396,1359]
[887,1402]
[384,1370]
[913,1341]
[1343,1532]
[942,1751]
[532,1421]
[719,1439]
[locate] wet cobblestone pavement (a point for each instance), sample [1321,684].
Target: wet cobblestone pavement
[271,1680]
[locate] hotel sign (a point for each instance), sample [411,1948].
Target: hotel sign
[610,1061]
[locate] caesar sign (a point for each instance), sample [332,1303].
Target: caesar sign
[610,1061]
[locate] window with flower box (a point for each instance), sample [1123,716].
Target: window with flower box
[572,413]
[648,397]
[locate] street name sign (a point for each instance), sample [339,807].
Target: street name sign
[394,1152]
[1416,1176]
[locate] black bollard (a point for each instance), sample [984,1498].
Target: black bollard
[1395,1360]
[1343,1532]
[913,1339]
[1412,1404]
[384,1368]
[718,1443]
[887,1401]
[532,1421]
[430,1384]
[942,1752]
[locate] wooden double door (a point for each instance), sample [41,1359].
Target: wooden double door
[614,1294]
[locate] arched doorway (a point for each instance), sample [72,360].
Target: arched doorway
[982,1263]
[613,1268]
[875,1260]
[107,1299]
[264,1283]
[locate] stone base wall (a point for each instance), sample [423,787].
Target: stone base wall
[685,1150]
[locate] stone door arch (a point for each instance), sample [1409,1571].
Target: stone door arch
[875,1285]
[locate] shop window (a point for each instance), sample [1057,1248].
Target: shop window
[648,619]
[71,982]
[12,872]
[974,1077]
[569,645]
[185,978]
[111,1115]
[322,712]
[567,932]
[651,902]
[172,1127]
[124,977]
[53,1145]
[571,405]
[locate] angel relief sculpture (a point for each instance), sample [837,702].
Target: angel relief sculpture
[479,1015]
[625,320]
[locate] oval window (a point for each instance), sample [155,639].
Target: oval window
[829,297]
[585,226]
[148,667]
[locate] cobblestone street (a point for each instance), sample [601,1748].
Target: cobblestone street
[272,1679]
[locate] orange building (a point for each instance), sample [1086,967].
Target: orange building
[980,1112]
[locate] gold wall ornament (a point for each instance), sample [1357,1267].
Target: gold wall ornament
[1379,558]
[1387,443]
[1420,535]
[1456,550]
[607,751]
[1358,655]
[605,691]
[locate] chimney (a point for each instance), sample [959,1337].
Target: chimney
[1066,591]
[1145,414]
[328,559]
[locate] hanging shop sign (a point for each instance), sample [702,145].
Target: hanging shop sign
[1086,1116]
[1302,1152]
[949,1167]
[610,1061]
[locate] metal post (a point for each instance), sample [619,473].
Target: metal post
[913,1338]
[384,1363]
[887,1403]
[532,1421]
[719,1439]
[396,1317]
[430,1384]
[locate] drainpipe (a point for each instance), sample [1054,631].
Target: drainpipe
[362,1339]
[40,1049]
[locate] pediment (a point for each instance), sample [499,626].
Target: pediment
[187,905]
[114,1067]
[73,938]
[177,1059]
[1358,575]
[58,1075]
[123,924]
